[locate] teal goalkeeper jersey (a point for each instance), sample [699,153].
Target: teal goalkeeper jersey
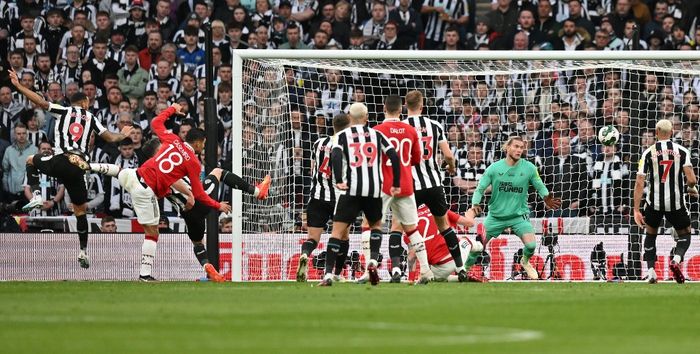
[509,189]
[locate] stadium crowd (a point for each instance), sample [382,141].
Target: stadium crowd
[133,58]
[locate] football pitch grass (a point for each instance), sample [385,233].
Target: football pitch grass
[131,317]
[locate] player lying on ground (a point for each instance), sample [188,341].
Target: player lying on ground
[403,206]
[665,164]
[74,127]
[321,205]
[357,158]
[152,181]
[439,257]
[510,179]
[195,218]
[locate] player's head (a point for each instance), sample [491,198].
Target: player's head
[358,113]
[81,100]
[664,129]
[196,138]
[514,147]
[392,106]
[414,101]
[340,122]
[150,148]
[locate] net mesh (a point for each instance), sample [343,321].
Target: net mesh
[557,106]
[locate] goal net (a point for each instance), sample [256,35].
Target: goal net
[556,101]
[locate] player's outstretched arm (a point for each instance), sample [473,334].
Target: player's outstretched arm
[110,137]
[158,123]
[31,95]
[484,183]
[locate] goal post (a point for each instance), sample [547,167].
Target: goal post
[529,93]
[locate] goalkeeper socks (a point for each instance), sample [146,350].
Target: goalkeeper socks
[681,247]
[418,245]
[82,226]
[232,180]
[471,259]
[453,245]
[33,177]
[148,253]
[364,243]
[340,259]
[375,242]
[105,169]
[395,249]
[308,246]
[201,253]
[332,250]
[650,250]
[528,251]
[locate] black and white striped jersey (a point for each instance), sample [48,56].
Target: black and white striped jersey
[430,134]
[435,27]
[171,81]
[176,72]
[322,187]
[74,126]
[36,137]
[662,164]
[64,74]
[49,187]
[362,149]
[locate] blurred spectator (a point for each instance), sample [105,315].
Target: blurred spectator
[132,78]
[164,225]
[226,225]
[108,225]
[119,202]
[100,65]
[504,17]
[567,175]
[470,169]
[14,164]
[609,183]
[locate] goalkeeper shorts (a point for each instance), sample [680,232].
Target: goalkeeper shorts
[519,225]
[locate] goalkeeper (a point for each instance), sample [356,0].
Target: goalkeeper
[510,179]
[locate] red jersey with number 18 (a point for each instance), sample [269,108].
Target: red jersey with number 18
[174,160]
[404,139]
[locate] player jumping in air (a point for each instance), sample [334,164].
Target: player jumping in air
[441,263]
[321,205]
[195,218]
[174,160]
[664,165]
[510,179]
[73,130]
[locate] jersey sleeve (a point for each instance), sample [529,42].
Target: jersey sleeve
[57,110]
[641,166]
[686,161]
[193,170]
[440,133]
[97,125]
[484,183]
[452,217]
[384,143]
[158,126]
[416,153]
[536,181]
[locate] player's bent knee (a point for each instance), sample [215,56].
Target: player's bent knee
[216,173]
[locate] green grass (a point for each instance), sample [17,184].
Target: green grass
[106,317]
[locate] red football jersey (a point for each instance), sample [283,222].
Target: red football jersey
[435,245]
[405,140]
[174,160]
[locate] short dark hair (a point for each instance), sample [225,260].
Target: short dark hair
[340,122]
[107,219]
[100,40]
[150,93]
[150,148]
[195,134]
[392,104]
[77,98]
[191,31]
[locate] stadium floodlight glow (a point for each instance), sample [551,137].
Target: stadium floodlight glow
[612,91]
